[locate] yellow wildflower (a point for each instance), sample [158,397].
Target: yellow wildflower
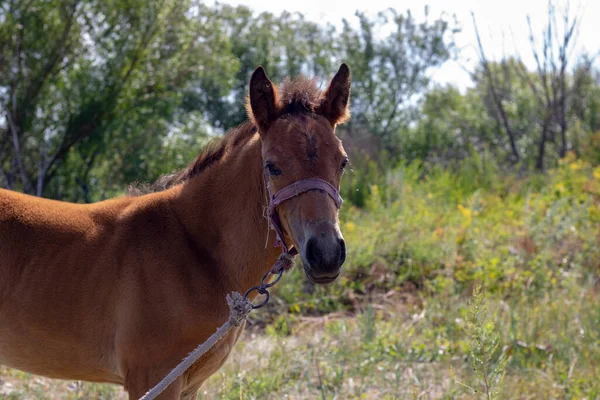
[350,227]
[576,165]
[466,213]
[569,158]
[374,190]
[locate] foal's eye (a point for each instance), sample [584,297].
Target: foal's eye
[344,165]
[273,170]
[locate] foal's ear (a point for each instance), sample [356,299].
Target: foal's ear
[335,100]
[262,104]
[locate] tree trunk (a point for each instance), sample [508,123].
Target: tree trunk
[542,147]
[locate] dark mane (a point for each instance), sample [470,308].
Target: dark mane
[300,95]
[211,154]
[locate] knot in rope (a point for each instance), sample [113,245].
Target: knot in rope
[239,308]
[284,263]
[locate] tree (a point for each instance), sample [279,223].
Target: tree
[549,85]
[493,89]
[286,45]
[451,125]
[390,74]
[76,72]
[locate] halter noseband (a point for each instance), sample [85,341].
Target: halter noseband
[293,190]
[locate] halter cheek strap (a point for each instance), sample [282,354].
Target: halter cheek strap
[294,190]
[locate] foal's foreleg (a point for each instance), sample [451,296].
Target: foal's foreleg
[190,393]
[138,385]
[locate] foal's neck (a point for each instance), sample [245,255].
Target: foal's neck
[222,210]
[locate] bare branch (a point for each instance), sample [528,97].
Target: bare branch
[541,68]
[495,96]
[17,152]
[40,178]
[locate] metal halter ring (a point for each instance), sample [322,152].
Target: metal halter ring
[268,285]
[260,290]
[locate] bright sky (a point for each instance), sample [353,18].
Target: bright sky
[502,24]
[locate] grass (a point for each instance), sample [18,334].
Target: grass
[406,320]
[423,352]
[17,385]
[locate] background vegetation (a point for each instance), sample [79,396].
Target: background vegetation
[471,216]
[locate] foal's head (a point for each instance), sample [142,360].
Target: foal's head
[297,128]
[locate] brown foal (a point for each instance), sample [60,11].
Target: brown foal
[122,290]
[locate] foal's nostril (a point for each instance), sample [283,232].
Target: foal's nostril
[342,251]
[313,253]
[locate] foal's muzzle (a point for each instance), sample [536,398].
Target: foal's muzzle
[323,253]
